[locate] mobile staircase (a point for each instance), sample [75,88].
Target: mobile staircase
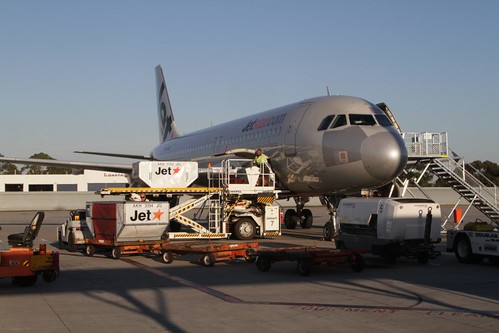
[429,152]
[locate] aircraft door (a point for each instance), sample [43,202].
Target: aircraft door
[292,128]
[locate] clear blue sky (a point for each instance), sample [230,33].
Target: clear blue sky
[79,75]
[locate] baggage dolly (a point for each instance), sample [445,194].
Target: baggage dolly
[119,248]
[308,257]
[211,253]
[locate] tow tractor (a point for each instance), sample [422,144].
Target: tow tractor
[478,240]
[23,263]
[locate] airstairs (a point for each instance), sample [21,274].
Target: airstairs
[429,152]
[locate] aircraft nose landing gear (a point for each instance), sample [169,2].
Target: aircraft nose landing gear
[303,216]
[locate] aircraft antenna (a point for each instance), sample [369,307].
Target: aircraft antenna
[328,92]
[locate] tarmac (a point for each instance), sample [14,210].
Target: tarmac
[142,294]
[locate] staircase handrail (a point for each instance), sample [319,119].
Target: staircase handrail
[468,178]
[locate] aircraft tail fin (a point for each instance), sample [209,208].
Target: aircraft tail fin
[167,128]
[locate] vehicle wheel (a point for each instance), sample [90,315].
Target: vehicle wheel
[208,259]
[245,229]
[71,242]
[60,243]
[307,219]
[89,250]
[358,263]
[116,253]
[390,257]
[167,257]
[291,219]
[250,255]
[263,263]
[304,267]
[328,231]
[464,253]
[24,281]
[49,276]
[175,226]
[422,257]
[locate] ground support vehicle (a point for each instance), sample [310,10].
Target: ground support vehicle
[238,202]
[308,257]
[126,227]
[211,253]
[23,263]
[478,240]
[73,232]
[389,227]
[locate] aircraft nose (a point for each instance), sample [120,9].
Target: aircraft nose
[384,155]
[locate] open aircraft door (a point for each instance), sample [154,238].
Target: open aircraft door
[291,129]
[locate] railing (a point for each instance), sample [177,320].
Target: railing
[426,144]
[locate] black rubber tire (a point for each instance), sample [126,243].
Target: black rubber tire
[49,276]
[71,242]
[307,219]
[328,231]
[291,219]
[358,263]
[24,281]
[116,253]
[464,253]
[245,229]
[60,243]
[167,257]
[89,250]
[208,259]
[263,263]
[304,267]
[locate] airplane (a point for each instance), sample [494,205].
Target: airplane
[329,146]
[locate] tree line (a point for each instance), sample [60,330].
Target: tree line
[7,168]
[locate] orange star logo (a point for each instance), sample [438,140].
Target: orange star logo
[157,215]
[176,170]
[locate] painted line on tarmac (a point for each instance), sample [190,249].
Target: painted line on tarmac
[318,306]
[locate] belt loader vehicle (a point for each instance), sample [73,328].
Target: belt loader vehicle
[390,227]
[238,200]
[478,240]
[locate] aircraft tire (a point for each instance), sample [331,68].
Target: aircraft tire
[291,219]
[307,219]
[327,231]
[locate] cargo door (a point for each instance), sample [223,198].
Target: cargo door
[291,127]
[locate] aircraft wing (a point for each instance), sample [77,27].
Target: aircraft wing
[136,157]
[69,164]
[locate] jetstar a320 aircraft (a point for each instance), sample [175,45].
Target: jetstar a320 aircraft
[327,146]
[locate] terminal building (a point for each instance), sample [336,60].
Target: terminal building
[89,181]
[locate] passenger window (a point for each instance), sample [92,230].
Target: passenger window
[383,120]
[325,123]
[362,120]
[341,120]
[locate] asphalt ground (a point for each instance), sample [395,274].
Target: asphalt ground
[142,294]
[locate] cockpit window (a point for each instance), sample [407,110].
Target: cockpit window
[341,120]
[325,123]
[383,120]
[362,120]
